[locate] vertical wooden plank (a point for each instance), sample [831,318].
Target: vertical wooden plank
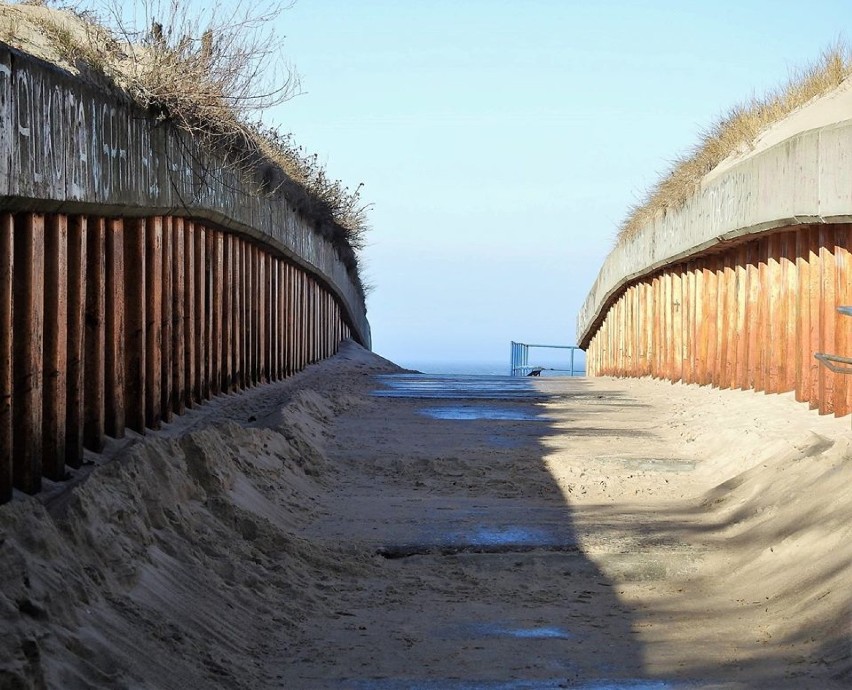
[753,313]
[216,245]
[201,384]
[7,265]
[666,323]
[828,316]
[193,392]
[154,321]
[238,321]
[262,325]
[167,349]
[247,321]
[790,315]
[774,348]
[762,305]
[114,362]
[282,319]
[136,323]
[742,324]
[276,317]
[706,328]
[28,351]
[720,298]
[803,315]
[252,316]
[291,319]
[179,381]
[312,325]
[728,321]
[272,267]
[690,345]
[227,376]
[843,324]
[677,324]
[814,305]
[298,325]
[95,337]
[650,345]
[55,345]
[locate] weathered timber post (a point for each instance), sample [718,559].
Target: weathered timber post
[179,381]
[216,247]
[95,382]
[189,331]
[75,382]
[166,348]
[828,316]
[55,345]
[136,322]
[7,264]
[227,372]
[28,351]
[153,287]
[114,319]
[202,380]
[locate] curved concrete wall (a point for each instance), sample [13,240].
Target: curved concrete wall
[66,147]
[805,179]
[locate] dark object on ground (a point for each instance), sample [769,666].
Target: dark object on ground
[535,372]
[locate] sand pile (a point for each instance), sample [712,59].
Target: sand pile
[175,564]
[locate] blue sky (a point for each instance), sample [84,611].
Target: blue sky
[502,143]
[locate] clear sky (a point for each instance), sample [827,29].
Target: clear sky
[502,142]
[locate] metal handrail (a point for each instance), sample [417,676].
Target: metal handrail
[837,363]
[519,356]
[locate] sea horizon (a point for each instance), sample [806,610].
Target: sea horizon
[485,367]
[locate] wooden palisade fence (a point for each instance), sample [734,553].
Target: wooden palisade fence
[115,323]
[749,315]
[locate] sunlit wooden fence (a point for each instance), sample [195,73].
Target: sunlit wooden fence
[750,315]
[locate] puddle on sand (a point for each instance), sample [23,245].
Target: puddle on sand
[489,413]
[537,684]
[508,539]
[540,633]
[504,536]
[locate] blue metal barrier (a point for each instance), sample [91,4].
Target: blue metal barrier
[520,360]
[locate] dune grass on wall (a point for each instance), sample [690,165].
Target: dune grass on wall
[211,73]
[737,132]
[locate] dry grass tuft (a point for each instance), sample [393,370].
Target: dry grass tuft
[211,73]
[736,132]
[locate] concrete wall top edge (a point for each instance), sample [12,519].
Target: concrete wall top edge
[66,146]
[806,178]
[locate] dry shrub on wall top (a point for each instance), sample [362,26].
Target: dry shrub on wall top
[210,70]
[736,132]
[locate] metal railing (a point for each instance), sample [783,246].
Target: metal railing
[520,360]
[837,363]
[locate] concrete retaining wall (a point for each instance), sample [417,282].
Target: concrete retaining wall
[806,179]
[66,147]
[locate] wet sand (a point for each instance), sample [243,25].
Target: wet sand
[360,527]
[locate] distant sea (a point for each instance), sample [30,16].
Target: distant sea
[486,368]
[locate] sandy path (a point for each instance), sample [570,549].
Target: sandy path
[448,534]
[566,539]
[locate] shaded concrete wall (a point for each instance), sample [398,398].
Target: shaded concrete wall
[67,147]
